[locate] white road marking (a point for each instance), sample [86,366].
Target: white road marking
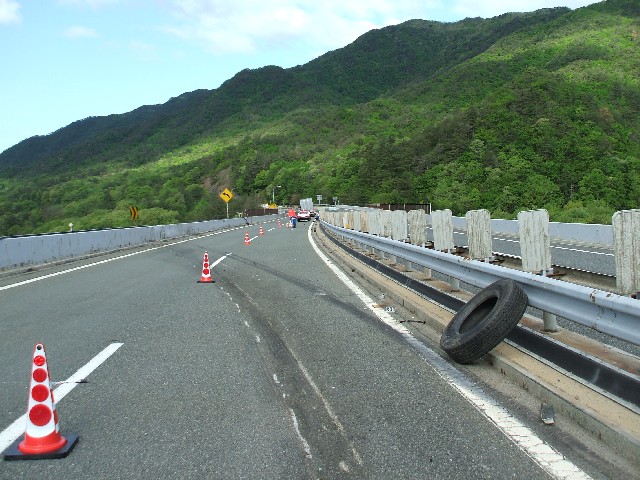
[550,460]
[510,240]
[101,262]
[305,444]
[583,251]
[18,427]
[219,260]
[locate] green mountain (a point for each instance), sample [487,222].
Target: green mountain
[520,111]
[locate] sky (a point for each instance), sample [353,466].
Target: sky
[65,60]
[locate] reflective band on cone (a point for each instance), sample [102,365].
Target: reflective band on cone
[42,438]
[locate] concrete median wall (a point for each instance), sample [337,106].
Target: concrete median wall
[37,249]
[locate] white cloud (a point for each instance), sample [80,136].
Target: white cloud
[9,12]
[254,25]
[80,32]
[251,26]
[89,3]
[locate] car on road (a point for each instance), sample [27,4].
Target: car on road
[304,216]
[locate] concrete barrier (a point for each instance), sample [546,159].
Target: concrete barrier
[442,230]
[417,225]
[479,234]
[535,247]
[399,230]
[626,234]
[37,249]
[375,222]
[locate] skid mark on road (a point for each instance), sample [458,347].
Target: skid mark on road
[309,413]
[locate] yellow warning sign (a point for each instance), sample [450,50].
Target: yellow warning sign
[226,195]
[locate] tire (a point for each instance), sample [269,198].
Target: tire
[484,321]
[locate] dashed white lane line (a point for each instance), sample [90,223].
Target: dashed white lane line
[550,460]
[568,249]
[17,428]
[219,260]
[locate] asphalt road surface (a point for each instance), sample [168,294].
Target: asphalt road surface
[278,370]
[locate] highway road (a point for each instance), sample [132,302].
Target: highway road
[281,369]
[589,258]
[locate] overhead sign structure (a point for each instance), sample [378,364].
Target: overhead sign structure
[134,213]
[226,195]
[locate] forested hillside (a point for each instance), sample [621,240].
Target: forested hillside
[521,111]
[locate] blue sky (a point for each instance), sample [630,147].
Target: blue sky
[64,60]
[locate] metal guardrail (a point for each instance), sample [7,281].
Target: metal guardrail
[605,312]
[606,378]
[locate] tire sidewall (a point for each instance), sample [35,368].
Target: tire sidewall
[502,291]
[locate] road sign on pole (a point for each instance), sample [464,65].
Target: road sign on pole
[226,195]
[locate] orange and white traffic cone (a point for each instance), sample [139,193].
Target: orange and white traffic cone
[279,223]
[42,438]
[261,231]
[206,271]
[247,241]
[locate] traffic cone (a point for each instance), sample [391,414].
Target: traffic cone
[279,223]
[246,238]
[206,272]
[261,231]
[42,438]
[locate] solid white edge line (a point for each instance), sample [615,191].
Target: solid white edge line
[18,427]
[55,274]
[549,459]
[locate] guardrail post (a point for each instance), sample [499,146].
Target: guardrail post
[443,238]
[387,223]
[399,230]
[479,234]
[535,245]
[364,221]
[626,245]
[417,228]
[535,250]
[375,222]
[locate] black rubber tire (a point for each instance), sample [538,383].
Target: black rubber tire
[484,321]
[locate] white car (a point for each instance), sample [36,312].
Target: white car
[304,216]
